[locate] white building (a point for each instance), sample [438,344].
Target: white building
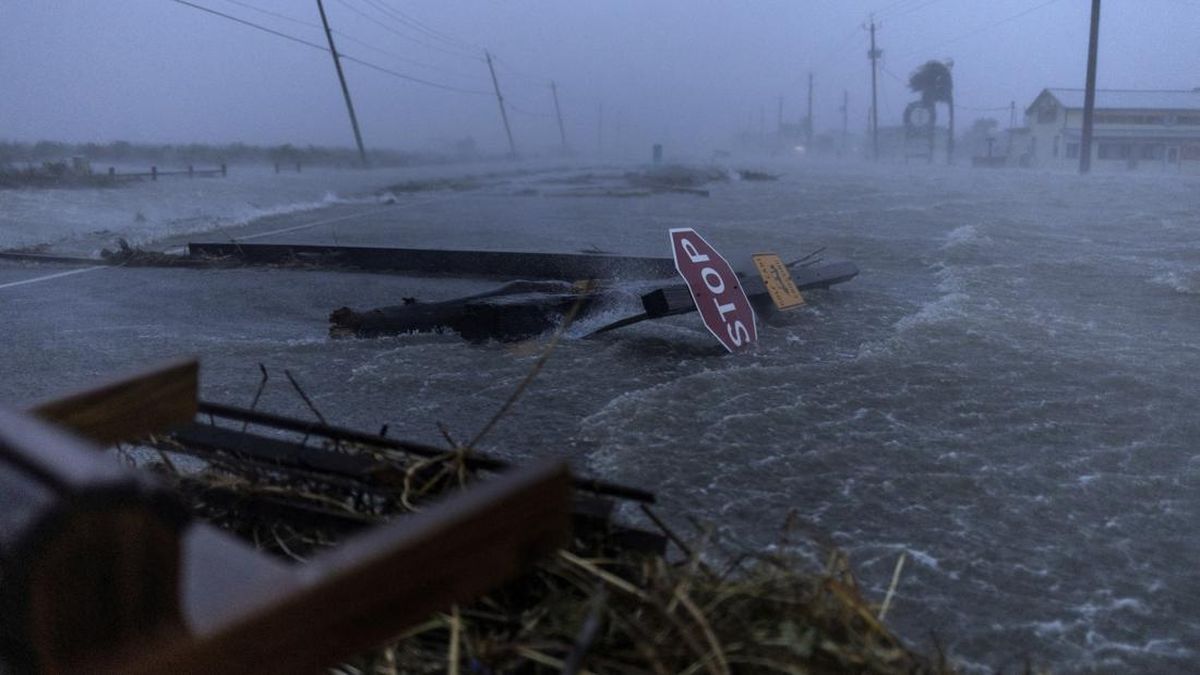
[1150,130]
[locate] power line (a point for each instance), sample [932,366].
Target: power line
[527,113]
[347,57]
[277,15]
[894,76]
[411,22]
[403,35]
[253,25]
[525,78]
[913,9]
[418,80]
[986,27]
[401,57]
[422,27]
[351,38]
[836,51]
[887,8]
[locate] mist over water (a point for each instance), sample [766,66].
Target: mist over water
[1006,393]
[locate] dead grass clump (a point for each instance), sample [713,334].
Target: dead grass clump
[593,607]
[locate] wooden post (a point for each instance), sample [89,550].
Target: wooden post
[562,134]
[224,170]
[600,129]
[808,124]
[154,173]
[845,119]
[297,167]
[191,171]
[874,54]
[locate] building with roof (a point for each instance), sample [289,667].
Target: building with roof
[1148,130]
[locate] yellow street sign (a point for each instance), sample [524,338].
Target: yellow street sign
[778,280]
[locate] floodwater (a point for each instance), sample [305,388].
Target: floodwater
[1007,393]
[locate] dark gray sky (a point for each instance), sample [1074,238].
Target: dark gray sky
[684,72]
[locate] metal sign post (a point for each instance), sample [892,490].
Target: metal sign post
[715,289]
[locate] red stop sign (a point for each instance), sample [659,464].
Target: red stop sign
[715,288]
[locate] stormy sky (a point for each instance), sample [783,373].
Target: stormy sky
[689,73]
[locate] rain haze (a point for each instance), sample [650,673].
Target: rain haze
[682,72]
[957,346]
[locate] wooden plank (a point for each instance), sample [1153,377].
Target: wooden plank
[129,408]
[372,588]
[63,462]
[88,554]
[501,264]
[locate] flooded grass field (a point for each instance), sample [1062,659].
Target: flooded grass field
[1007,392]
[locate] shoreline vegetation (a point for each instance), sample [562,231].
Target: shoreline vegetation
[59,164]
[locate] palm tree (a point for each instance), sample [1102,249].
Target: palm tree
[933,82]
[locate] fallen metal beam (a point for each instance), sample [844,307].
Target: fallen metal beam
[493,264]
[47,258]
[473,460]
[359,472]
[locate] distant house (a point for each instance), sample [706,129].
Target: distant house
[1148,130]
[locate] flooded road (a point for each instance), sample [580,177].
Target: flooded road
[1007,393]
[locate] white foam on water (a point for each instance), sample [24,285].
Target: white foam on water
[1185,282]
[965,235]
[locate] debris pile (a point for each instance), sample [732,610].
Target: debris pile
[616,600]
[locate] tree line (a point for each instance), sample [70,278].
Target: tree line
[16,153]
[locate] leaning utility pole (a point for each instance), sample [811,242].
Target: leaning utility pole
[562,134]
[600,129]
[845,119]
[337,63]
[808,127]
[1089,97]
[512,147]
[874,55]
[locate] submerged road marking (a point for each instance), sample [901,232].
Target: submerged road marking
[48,277]
[339,219]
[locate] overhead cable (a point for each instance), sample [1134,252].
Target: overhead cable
[345,57]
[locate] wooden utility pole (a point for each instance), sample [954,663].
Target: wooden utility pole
[600,129]
[874,55]
[512,147]
[808,127]
[337,63]
[1089,97]
[845,119]
[562,134]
